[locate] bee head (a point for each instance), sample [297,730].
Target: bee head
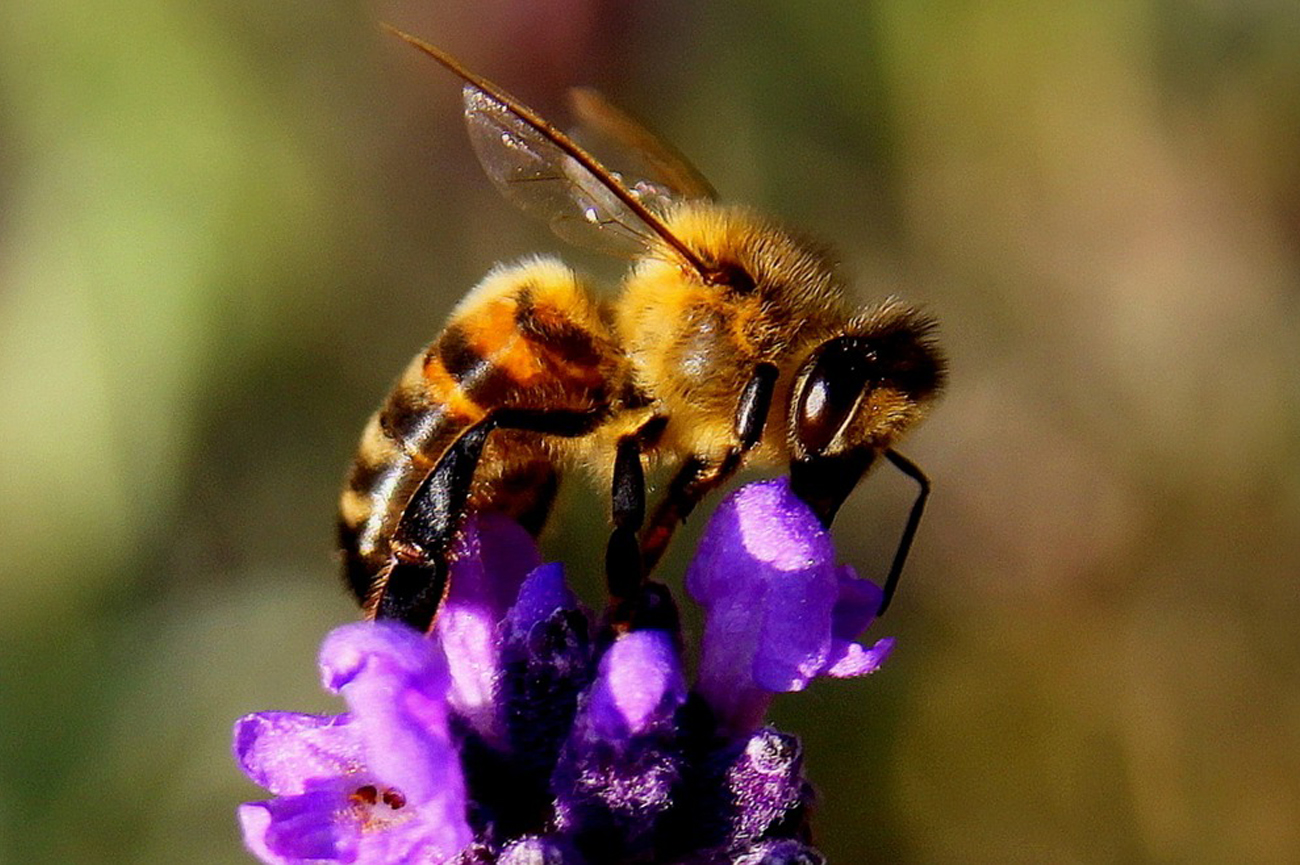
[854,396]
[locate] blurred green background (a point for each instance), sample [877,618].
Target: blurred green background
[225,227]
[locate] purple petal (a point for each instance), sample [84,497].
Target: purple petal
[854,611]
[850,659]
[468,636]
[492,556]
[380,784]
[640,684]
[335,826]
[543,592]
[395,682]
[796,636]
[490,559]
[417,842]
[287,752]
[855,608]
[380,648]
[294,829]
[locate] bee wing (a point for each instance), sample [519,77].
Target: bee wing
[544,172]
[680,179]
[545,180]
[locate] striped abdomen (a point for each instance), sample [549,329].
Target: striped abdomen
[528,336]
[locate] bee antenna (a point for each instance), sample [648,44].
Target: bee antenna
[909,468]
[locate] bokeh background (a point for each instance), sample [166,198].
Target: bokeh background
[225,227]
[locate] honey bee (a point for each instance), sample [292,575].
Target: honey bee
[729,344]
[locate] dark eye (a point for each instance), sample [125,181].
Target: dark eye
[841,370]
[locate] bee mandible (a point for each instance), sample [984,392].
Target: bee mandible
[729,344]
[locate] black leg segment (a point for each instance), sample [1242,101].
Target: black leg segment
[414,590]
[628,494]
[694,480]
[417,578]
[699,476]
[623,572]
[755,402]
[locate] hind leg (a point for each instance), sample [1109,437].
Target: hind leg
[416,582]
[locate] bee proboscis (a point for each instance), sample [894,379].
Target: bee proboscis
[730,343]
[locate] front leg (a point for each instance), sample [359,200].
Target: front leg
[699,476]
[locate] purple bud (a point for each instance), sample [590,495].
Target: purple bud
[617,772]
[766,784]
[546,656]
[639,687]
[546,664]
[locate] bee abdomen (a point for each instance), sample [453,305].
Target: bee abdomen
[528,337]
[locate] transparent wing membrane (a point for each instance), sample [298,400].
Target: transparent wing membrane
[544,180]
[680,179]
[544,172]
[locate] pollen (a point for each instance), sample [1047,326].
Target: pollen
[376,809]
[366,795]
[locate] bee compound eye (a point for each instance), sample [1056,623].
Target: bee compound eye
[840,372]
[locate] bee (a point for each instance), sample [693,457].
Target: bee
[729,344]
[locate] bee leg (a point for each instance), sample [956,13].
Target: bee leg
[755,402]
[635,603]
[414,586]
[699,476]
[417,581]
[623,572]
[694,480]
[910,469]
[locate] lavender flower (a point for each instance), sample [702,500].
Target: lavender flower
[380,783]
[520,733]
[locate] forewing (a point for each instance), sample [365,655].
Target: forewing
[544,180]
